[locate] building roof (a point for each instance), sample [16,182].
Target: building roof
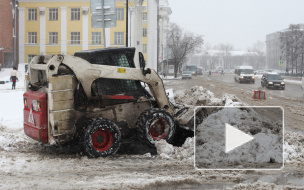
[230,53]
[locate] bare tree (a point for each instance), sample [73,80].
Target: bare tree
[181,44]
[292,47]
[258,47]
[226,48]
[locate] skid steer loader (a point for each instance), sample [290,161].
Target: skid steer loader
[96,96]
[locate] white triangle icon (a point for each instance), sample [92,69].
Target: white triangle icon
[31,118]
[235,138]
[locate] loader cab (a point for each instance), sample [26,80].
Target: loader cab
[122,57]
[105,92]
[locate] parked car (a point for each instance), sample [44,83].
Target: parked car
[272,80]
[187,75]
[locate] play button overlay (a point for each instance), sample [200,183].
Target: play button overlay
[238,138]
[235,138]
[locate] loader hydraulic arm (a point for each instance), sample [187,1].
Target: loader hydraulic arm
[86,73]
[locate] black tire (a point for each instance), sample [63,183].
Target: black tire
[100,138]
[154,125]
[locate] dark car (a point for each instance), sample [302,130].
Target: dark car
[272,80]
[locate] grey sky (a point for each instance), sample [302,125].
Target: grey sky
[239,22]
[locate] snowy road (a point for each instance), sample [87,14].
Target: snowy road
[292,89]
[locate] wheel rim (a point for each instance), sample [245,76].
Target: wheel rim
[159,129]
[102,139]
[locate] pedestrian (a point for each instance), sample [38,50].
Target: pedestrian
[209,74]
[14,77]
[222,72]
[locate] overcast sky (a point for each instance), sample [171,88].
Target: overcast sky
[239,22]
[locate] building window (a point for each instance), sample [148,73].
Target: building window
[53,14]
[145,15]
[118,38]
[30,57]
[75,13]
[144,32]
[144,48]
[120,13]
[96,37]
[75,37]
[32,14]
[32,37]
[53,37]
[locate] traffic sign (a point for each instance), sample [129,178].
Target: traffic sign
[108,10]
[281,63]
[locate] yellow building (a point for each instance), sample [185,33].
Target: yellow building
[64,27]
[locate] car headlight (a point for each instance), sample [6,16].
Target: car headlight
[282,82]
[252,77]
[241,77]
[270,82]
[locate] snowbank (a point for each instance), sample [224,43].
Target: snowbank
[167,151]
[262,185]
[210,139]
[198,96]
[293,147]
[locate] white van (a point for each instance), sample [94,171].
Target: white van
[244,74]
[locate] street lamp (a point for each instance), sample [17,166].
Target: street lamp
[131,9]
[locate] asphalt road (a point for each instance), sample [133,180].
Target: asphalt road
[293,91]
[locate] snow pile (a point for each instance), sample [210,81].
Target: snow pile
[12,139]
[231,100]
[210,139]
[262,185]
[198,96]
[167,151]
[293,147]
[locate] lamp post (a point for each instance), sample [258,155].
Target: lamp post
[14,6]
[131,9]
[127,22]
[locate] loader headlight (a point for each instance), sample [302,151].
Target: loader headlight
[36,105]
[282,82]
[270,82]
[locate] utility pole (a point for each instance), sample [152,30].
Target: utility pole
[127,22]
[104,24]
[14,6]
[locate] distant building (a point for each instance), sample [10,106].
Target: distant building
[273,49]
[219,59]
[7,33]
[64,27]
